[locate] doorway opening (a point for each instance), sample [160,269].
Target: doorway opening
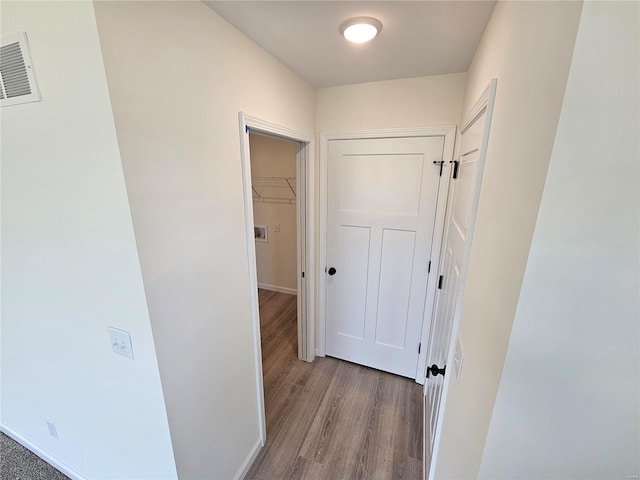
[278,201]
[274,193]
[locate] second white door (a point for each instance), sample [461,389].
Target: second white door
[382,196]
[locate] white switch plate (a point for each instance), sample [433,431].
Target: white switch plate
[121,342]
[458,358]
[277,227]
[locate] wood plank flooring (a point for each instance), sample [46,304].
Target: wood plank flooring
[331,419]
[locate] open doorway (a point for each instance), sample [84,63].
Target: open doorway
[274,194]
[278,193]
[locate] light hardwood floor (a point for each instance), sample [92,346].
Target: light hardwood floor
[331,419]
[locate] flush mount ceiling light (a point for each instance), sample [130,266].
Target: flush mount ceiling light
[360,29]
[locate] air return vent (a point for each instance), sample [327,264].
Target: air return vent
[17,83]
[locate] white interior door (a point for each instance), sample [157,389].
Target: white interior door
[461,210]
[382,196]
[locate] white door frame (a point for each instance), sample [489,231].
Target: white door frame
[448,132]
[305,187]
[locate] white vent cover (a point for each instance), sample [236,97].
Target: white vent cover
[17,83]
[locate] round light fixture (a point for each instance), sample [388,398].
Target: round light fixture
[360,29]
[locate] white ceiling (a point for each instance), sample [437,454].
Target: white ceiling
[418,38]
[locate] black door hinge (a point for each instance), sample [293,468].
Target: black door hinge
[456,167]
[302,274]
[429,267]
[440,163]
[419,347]
[440,280]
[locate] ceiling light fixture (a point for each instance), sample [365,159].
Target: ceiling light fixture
[360,29]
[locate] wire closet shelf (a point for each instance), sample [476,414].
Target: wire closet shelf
[274,189]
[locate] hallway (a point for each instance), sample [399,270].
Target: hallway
[331,419]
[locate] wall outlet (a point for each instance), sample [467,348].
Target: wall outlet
[121,342]
[276,227]
[53,431]
[458,358]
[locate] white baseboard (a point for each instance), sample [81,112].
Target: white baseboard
[246,465]
[274,288]
[69,472]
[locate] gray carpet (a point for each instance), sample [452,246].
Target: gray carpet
[18,463]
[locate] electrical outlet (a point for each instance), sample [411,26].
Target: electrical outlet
[53,431]
[121,342]
[458,358]
[276,227]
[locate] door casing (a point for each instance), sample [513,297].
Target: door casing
[448,133]
[305,184]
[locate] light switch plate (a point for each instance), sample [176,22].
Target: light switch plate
[458,358]
[121,342]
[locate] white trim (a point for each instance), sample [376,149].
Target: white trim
[448,132]
[271,129]
[253,278]
[436,131]
[485,102]
[54,462]
[275,288]
[425,445]
[306,187]
[322,244]
[246,465]
[306,231]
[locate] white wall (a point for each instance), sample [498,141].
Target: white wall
[70,267]
[568,405]
[528,47]
[411,102]
[178,75]
[276,259]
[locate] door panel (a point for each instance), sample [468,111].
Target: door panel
[381,174]
[353,260]
[388,188]
[464,193]
[395,284]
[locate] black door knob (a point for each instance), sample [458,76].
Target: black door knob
[435,370]
[332,271]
